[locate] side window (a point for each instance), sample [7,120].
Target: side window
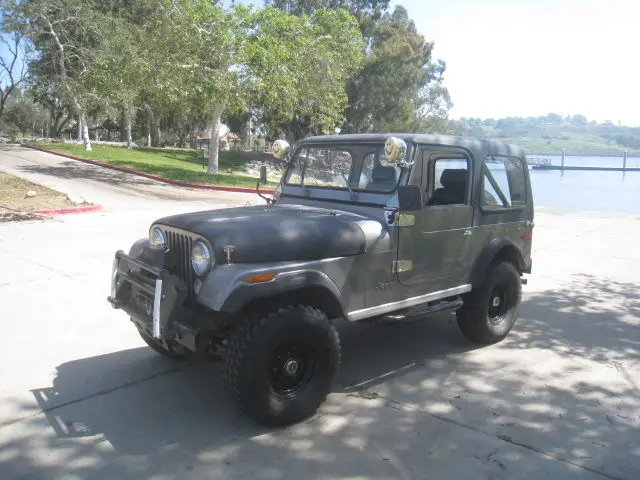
[503,182]
[448,181]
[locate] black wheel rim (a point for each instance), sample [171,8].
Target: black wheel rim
[500,303]
[291,368]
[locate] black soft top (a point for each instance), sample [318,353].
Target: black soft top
[477,146]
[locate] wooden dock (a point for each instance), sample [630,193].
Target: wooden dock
[544,163]
[581,168]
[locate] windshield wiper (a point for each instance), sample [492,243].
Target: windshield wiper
[346,180]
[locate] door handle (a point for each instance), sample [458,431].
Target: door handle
[467,232]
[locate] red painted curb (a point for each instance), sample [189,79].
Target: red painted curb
[152,176]
[65,211]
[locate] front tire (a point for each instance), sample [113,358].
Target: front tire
[490,312]
[280,368]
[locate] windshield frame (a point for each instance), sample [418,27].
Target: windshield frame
[357,165]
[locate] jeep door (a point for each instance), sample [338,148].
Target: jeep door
[432,252]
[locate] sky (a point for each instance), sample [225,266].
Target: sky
[532,57]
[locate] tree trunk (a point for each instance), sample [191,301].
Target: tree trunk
[149,133]
[85,131]
[214,143]
[154,130]
[123,124]
[193,138]
[158,135]
[79,127]
[129,136]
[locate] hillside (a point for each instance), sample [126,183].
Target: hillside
[548,135]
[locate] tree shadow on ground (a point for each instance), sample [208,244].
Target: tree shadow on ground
[411,398]
[119,182]
[69,170]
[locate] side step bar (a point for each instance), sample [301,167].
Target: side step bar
[423,311]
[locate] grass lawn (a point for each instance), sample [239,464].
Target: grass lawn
[176,164]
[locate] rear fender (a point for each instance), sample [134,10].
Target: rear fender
[500,249]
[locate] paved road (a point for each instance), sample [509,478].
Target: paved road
[82,397]
[110,188]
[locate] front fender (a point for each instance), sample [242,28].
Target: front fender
[244,293]
[227,289]
[502,248]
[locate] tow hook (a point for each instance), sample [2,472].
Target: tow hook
[523,280]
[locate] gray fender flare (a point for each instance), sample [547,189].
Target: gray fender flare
[287,282]
[502,248]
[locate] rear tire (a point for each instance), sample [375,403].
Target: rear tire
[490,312]
[280,368]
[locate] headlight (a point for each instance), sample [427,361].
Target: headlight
[200,258]
[156,237]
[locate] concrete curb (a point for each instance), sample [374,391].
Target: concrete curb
[152,176]
[66,211]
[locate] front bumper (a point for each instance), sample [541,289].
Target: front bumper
[153,299]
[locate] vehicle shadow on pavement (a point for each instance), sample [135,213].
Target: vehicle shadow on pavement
[565,384]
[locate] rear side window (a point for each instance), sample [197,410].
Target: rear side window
[503,182]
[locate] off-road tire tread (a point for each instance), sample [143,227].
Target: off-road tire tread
[237,351]
[472,317]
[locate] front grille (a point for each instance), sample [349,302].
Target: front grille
[178,258]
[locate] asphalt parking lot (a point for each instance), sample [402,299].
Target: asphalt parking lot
[82,397]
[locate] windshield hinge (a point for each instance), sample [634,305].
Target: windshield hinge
[400,266]
[405,219]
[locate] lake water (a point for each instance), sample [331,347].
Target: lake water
[585,190]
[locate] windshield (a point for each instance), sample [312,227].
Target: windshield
[357,167]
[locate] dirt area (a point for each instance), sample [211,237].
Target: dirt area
[21,199]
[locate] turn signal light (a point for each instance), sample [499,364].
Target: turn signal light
[261,278]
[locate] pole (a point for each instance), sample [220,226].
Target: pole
[562,165]
[624,162]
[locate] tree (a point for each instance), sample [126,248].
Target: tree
[66,35]
[399,87]
[266,57]
[119,71]
[13,66]
[435,102]
[302,64]
[22,115]
[366,12]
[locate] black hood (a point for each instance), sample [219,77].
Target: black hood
[279,233]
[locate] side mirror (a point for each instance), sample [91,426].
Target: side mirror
[410,198]
[263,174]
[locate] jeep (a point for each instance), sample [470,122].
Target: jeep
[360,227]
